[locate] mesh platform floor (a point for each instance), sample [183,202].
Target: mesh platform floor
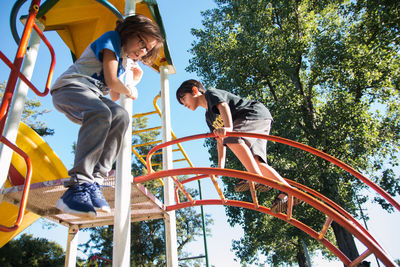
[43,197]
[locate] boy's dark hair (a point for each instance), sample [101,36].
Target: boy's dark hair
[187,87]
[139,25]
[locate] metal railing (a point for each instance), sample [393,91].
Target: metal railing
[294,190]
[8,96]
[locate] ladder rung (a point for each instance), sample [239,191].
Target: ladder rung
[147,144]
[360,258]
[325,228]
[138,115]
[146,130]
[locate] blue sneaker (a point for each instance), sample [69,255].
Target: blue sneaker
[97,197]
[76,200]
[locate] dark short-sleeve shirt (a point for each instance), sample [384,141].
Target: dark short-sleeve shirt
[241,108]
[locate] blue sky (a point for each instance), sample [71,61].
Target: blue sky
[178,16]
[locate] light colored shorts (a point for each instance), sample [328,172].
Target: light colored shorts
[258,147]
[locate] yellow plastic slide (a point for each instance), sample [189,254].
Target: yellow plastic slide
[46,166]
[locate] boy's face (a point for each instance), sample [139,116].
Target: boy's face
[138,46]
[189,100]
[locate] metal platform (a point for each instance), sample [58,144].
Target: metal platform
[44,195]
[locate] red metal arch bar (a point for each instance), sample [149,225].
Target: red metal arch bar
[277,139]
[302,187]
[326,209]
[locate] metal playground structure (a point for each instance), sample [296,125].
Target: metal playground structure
[31,174]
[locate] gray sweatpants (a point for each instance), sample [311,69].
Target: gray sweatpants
[103,125]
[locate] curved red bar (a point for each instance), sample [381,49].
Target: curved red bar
[24,199]
[281,140]
[358,231]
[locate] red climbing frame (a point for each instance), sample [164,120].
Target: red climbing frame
[9,93]
[333,211]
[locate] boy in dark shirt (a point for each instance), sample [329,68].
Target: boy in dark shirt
[227,112]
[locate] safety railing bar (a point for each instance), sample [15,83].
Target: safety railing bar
[12,79]
[52,64]
[9,93]
[22,76]
[25,193]
[312,192]
[249,205]
[16,70]
[317,204]
[285,141]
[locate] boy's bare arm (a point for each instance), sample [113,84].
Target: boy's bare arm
[110,67]
[221,153]
[225,112]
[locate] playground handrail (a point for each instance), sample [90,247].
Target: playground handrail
[282,140]
[333,214]
[9,93]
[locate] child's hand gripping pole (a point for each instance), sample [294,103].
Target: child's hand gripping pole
[133,76]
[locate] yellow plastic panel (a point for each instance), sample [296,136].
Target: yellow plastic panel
[46,166]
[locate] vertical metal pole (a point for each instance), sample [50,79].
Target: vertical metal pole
[72,245]
[170,224]
[17,104]
[130,6]
[122,212]
[203,222]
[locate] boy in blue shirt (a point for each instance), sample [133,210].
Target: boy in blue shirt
[226,112]
[80,93]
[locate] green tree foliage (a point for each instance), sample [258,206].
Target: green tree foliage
[31,113]
[329,72]
[147,237]
[30,251]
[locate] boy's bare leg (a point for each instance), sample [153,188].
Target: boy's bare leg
[270,172]
[243,153]
[245,156]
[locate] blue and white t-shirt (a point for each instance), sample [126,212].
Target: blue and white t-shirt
[87,71]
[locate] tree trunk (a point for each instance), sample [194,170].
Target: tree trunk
[345,241]
[300,255]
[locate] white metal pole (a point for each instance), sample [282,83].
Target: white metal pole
[170,225]
[17,104]
[130,8]
[122,212]
[72,246]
